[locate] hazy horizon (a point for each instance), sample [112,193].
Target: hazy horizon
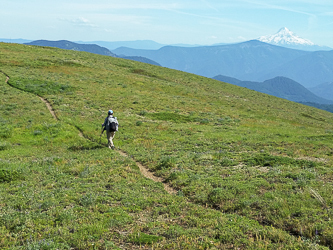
[200,22]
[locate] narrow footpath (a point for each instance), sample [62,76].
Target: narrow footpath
[146,173]
[49,107]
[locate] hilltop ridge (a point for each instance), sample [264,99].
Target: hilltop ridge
[91,48]
[64,44]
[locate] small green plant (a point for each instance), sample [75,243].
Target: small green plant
[37,132]
[225,162]
[270,160]
[166,162]
[87,200]
[45,244]
[174,117]
[143,113]
[5,130]
[218,195]
[204,121]
[4,145]
[142,238]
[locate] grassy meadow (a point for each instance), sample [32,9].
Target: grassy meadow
[252,171]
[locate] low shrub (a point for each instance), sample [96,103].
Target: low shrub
[218,195]
[270,160]
[4,145]
[9,175]
[45,244]
[174,117]
[166,162]
[40,87]
[143,113]
[5,130]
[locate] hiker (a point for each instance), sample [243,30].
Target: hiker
[111,126]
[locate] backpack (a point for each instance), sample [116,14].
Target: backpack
[112,123]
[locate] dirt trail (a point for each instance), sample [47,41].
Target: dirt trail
[49,107]
[145,171]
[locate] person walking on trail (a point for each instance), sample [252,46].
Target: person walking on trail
[111,126]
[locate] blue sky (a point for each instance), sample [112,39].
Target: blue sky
[165,21]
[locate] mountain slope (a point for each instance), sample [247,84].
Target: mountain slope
[324,90]
[63,44]
[253,61]
[280,87]
[309,70]
[252,171]
[243,61]
[91,48]
[140,59]
[139,44]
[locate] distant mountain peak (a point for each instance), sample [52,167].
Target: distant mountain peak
[285,37]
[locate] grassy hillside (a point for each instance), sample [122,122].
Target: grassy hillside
[252,171]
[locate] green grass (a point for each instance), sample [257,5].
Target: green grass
[252,171]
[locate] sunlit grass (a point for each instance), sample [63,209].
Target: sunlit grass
[253,171]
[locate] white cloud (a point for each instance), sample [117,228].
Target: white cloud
[81,21]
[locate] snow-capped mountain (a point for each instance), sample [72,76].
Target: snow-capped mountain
[286,38]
